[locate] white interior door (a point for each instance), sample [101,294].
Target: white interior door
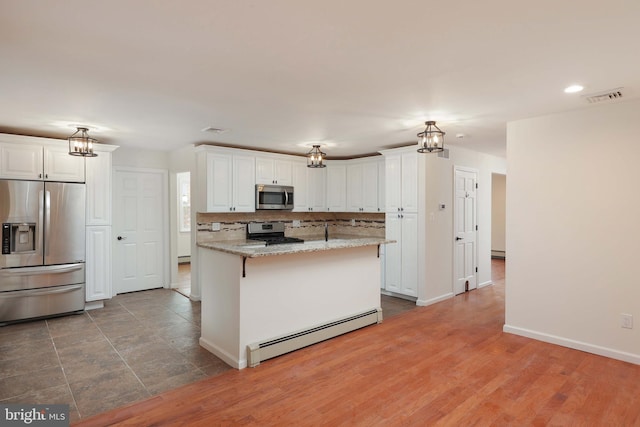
[465,230]
[140,218]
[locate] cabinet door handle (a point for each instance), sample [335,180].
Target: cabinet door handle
[39,175]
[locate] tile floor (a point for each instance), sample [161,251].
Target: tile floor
[139,345]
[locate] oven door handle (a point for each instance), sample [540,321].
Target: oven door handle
[39,292]
[49,269]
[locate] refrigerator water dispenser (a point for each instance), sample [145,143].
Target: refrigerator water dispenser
[18,238]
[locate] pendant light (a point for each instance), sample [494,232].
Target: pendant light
[431,140]
[315,158]
[82,145]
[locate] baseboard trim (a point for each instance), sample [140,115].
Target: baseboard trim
[92,305]
[396,295]
[485,284]
[424,303]
[576,345]
[223,355]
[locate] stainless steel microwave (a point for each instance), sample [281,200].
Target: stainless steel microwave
[278,197]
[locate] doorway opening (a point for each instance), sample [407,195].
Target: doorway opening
[183,233]
[498,215]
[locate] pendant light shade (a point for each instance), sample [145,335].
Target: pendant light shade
[81,144]
[315,158]
[431,140]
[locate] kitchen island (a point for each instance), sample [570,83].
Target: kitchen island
[261,301]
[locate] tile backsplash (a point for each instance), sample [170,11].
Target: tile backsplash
[233,226]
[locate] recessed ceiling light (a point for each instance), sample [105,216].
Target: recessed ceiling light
[573,89]
[323,144]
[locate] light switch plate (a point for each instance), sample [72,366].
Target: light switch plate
[215,226]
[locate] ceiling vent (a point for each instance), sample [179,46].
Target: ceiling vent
[609,95]
[214,129]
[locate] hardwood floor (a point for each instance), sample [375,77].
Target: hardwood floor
[446,364]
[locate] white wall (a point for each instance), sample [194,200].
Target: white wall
[498,212]
[436,275]
[573,215]
[139,158]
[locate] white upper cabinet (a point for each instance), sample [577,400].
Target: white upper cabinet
[300,191]
[60,166]
[316,189]
[336,187]
[272,170]
[38,159]
[362,186]
[21,161]
[308,188]
[244,187]
[229,180]
[355,196]
[401,176]
[381,185]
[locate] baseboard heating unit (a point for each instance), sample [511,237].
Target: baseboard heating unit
[257,352]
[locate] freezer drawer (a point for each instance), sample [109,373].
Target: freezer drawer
[30,303]
[13,279]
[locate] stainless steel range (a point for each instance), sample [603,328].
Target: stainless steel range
[272,233]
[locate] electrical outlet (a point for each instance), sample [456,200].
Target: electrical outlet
[353,222]
[296,223]
[626,321]
[215,226]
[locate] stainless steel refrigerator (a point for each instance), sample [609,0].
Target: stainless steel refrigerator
[42,270]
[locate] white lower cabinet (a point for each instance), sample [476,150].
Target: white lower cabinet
[401,258]
[98,263]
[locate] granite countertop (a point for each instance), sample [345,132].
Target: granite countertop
[255,248]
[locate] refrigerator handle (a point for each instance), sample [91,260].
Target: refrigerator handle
[47,220]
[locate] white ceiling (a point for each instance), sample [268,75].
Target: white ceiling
[355,76]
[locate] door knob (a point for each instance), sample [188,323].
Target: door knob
[121,238]
[458,238]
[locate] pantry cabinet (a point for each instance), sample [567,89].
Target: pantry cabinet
[98,219]
[401,182]
[401,221]
[98,265]
[401,258]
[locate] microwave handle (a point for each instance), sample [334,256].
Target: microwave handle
[286,198]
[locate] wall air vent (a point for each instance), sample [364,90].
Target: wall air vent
[609,95]
[214,129]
